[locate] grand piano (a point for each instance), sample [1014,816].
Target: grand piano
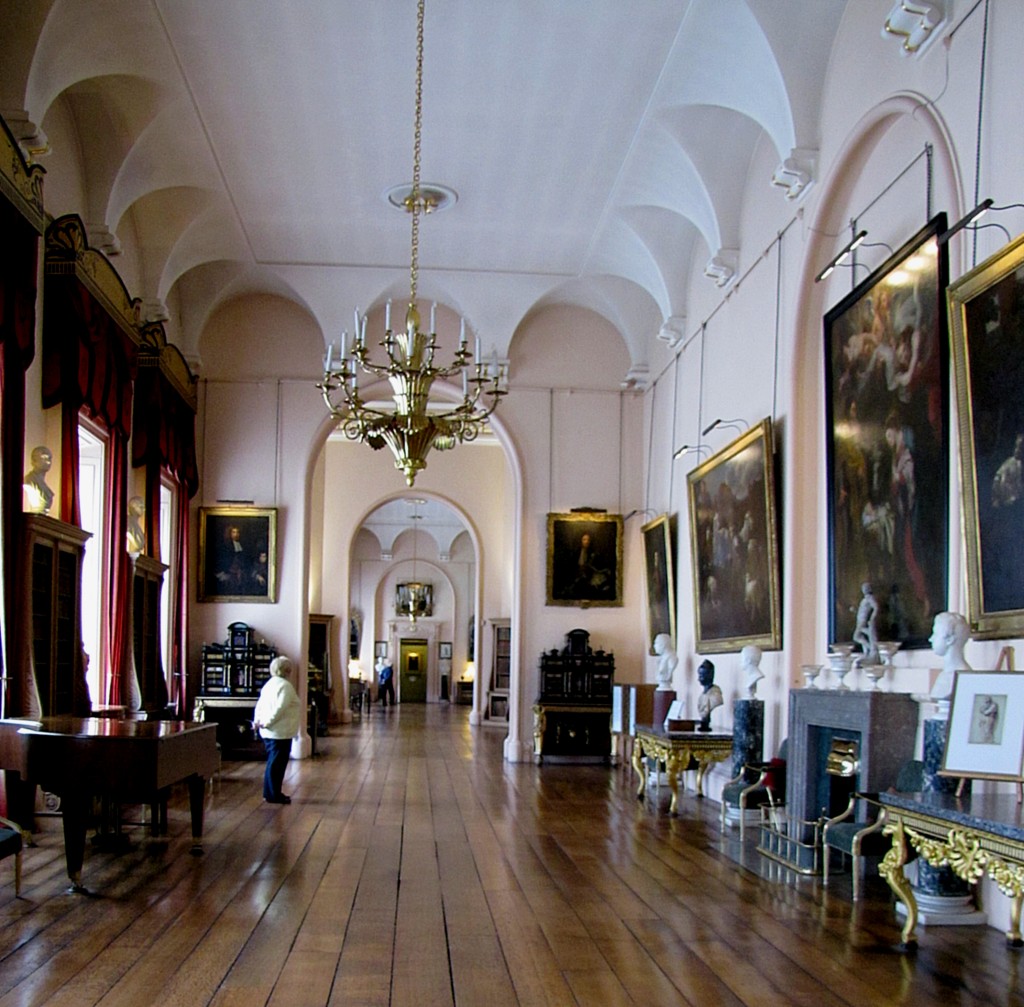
[123,761]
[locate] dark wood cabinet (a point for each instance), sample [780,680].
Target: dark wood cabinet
[233,673]
[572,716]
[53,677]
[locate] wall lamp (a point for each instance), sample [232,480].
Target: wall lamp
[841,257]
[738,424]
[965,221]
[686,449]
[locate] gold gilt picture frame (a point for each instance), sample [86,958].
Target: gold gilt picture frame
[986,315]
[733,539]
[237,554]
[584,564]
[659,579]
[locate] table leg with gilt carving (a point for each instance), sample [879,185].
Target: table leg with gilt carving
[638,767]
[674,766]
[891,868]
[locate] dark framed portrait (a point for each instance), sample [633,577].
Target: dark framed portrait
[887,444]
[444,651]
[380,648]
[237,554]
[584,559]
[660,580]
[986,311]
[734,544]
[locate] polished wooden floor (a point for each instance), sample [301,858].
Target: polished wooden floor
[415,867]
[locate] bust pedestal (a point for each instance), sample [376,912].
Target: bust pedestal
[663,699]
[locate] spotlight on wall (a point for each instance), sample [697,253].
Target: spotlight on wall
[965,221]
[686,449]
[737,424]
[857,241]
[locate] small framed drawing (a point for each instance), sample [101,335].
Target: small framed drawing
[661,595]
[584,559]
[444,651]
[734,546]
[380,648]
[984,738]
[987,339]
[237,554]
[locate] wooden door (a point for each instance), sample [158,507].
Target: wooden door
[412,671]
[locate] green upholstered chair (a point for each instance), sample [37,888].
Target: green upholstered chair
[857,832]
[12,841]
[756,785]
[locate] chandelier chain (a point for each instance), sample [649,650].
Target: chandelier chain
[416,155]
[414,425]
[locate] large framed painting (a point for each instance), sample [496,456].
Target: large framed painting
[986,312]
[237,554]
[584,559]
[658,567]
[734,544]
[887,444]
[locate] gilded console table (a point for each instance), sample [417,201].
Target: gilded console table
[974,835]
[678,750]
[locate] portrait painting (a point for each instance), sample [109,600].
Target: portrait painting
[986,311]
[237,554]
[658,568]
[984,738]
[733,542]
[887,445]
[584,564]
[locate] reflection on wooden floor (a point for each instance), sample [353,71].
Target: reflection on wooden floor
[415,867]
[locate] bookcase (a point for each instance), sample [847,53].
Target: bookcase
[55,674]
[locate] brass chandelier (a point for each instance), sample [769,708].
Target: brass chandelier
[413,426]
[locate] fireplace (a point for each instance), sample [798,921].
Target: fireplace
[875,730]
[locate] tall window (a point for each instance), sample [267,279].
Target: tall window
[168,541]
[92,447]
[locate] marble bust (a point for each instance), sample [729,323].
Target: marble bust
[667,661]
[136,533]
[38,497]
[950,635]
[751,658]
[711,698]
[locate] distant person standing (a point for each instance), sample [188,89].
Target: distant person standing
[385,682]
[277,719]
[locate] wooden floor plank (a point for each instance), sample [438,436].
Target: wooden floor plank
[415,866]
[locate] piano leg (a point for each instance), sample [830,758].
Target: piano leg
[74,812]
[196,800]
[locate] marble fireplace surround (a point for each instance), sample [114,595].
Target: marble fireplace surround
[885,722]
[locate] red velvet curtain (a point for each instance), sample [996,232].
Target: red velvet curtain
[164,439]
[90,363]
[179,628]
[118,629]
[18,260]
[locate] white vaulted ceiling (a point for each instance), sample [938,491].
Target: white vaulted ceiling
[600,149]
